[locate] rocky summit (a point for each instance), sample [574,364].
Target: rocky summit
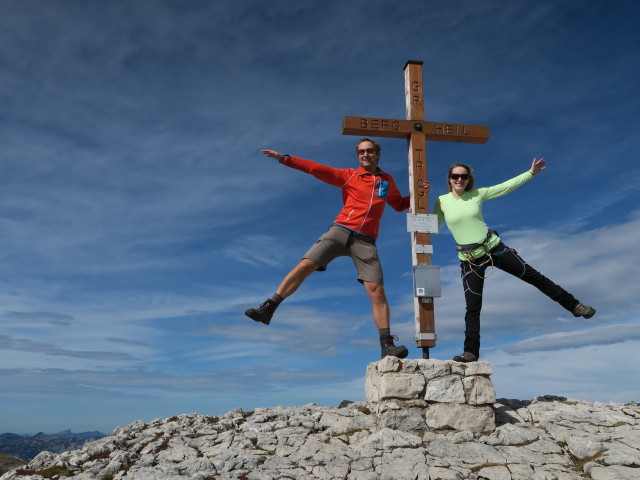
[544,439]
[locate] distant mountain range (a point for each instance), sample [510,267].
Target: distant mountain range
[27,447]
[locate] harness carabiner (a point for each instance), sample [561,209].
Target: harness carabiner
[474,266]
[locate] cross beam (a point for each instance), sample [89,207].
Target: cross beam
[386,127]
[417,131]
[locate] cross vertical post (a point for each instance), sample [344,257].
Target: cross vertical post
[414,98]
[417,131]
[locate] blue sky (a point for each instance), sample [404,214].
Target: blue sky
[138,219]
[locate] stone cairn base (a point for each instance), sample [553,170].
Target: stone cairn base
[420,396]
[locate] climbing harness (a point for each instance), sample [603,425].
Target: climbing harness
[475,267]
[480,265]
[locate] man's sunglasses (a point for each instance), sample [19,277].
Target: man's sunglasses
[362,151]
[456,176]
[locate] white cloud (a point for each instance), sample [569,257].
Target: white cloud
[604,373]
[607,335]
[593,264]
[269,377]
[296,330]
[258,249]
[26,345]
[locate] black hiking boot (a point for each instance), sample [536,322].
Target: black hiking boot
[388,348]
[582,310]
[466,357]
[263,313]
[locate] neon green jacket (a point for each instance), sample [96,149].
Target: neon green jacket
[464,214]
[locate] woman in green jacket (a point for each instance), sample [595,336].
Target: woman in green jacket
[480,248]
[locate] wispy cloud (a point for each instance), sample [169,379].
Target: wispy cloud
[48,317]
[25,345]
[149,383]
[585,373]
[297,330]
[606,335]
[258,249]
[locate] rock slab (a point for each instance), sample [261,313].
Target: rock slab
[423,395]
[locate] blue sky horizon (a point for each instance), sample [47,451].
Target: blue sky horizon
[139,220]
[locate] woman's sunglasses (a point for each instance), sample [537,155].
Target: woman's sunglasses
[456,176]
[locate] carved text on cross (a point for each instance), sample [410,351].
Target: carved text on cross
[386,127]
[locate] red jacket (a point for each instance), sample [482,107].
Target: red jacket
[364,194]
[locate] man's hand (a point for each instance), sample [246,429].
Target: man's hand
[537,166]
[272,154]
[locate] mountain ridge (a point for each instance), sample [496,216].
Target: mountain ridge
[26,447]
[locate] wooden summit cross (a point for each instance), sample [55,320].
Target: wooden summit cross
[417,131]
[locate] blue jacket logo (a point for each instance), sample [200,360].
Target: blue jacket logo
[382,188]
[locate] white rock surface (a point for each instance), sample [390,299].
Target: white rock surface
[431,395]
[549,438]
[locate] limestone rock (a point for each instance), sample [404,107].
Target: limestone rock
[549,438]
[455,416]
[455,395]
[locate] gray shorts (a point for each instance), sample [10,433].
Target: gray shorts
[342,242]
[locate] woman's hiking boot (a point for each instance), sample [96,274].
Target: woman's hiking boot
[582,310]
[466,357]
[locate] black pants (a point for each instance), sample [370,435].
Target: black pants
[508,260]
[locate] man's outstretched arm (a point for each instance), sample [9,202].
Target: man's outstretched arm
[330,175]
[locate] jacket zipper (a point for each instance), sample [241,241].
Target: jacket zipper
[373,191]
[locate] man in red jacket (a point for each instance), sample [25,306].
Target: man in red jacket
[365,192]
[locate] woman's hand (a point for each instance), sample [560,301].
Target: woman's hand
[537,166]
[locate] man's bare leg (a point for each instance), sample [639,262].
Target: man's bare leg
[296,276]
[379,304]
[381,316]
